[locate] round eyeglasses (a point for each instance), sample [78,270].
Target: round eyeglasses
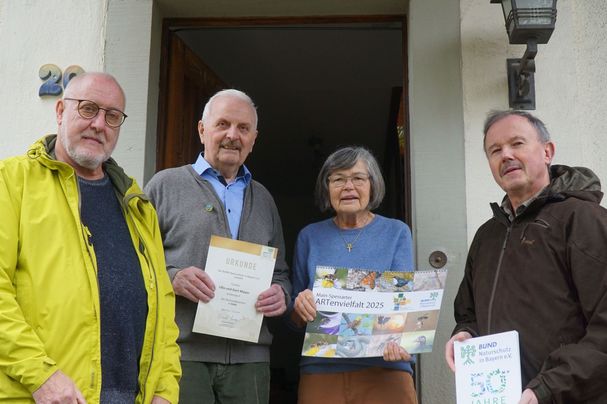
[339,181]
[88,110]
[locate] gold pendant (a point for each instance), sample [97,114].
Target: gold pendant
[349,247]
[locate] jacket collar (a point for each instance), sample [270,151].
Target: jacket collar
[44,151]
[565,182]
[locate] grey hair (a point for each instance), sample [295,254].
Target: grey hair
[343,159]
[231,92]
[494,116]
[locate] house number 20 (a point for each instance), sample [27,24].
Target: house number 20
[51,75]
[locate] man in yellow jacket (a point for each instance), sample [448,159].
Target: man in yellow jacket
[86,306]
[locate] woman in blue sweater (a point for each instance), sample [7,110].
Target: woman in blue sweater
[350,184]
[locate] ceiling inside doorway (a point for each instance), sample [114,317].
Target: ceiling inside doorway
[267,8]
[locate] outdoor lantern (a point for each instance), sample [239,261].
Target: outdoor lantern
[528,22]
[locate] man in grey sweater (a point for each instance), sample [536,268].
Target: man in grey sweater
[217,196]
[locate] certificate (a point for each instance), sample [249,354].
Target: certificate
[240,271]
[488,369]
[360,311]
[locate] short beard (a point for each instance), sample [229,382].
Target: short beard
[86,160]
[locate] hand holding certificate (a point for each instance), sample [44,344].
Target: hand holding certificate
[241,271]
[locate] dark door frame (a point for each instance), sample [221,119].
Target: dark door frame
[171,25]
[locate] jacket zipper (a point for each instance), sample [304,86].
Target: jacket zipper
[86,234]
[87,239]
[153,284]
[497,274]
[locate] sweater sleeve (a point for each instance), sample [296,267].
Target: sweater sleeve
[22,354]
[403,255]
[575,372]
[301,277]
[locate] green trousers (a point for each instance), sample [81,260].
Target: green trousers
[214,383]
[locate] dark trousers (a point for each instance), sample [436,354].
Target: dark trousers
[214,383]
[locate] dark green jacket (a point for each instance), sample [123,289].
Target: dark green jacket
[545,275]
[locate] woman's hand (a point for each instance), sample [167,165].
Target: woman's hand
[395,352]
[304,307]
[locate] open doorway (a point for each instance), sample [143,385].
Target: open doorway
[318,84]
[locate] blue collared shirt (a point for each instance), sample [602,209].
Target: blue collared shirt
[231,195]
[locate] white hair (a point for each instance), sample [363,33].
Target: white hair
[229,93]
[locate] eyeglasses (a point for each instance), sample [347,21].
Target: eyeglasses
[88,110]
[339,181]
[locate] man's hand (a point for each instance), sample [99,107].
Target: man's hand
[528,397]
[159,400]
[271,302]
[194,284]
[460,336]
[305,306]
[58,389]
[395,352]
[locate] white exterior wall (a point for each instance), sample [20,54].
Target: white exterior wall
[110,35]
[34,33]
[133,56]
[570,82]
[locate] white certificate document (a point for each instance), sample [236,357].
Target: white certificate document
[240,271]
[488,369]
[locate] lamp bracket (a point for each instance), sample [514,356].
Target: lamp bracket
[521,78]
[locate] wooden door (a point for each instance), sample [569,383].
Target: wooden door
[189,84]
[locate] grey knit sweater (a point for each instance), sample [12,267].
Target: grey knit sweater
[189,212]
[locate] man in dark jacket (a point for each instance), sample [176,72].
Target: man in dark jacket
[539,266]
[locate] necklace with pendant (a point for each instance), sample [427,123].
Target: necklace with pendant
[350,244]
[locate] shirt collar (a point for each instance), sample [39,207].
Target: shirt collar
[202,166]
[507,206]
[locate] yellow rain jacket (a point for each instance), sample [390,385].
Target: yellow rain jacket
[49,296]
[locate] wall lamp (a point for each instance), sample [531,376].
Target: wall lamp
[528,22]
